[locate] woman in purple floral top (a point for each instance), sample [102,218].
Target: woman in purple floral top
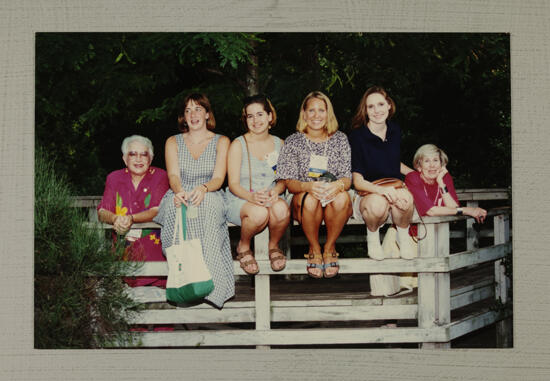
[318,149]
[133,195]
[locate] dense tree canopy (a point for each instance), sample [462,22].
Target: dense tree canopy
[94,89]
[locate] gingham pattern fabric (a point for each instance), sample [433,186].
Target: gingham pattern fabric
[210,226]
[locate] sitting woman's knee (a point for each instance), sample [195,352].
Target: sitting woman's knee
[310,203]
[256,215]
[375,206]
[279,210]
[342,201]
[405,195]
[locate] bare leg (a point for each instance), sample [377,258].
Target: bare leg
[310,222]
[253,220]
[374,210]
[402,218]
[279,218]
[337,214]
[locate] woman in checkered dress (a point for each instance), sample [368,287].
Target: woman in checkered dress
[196,162]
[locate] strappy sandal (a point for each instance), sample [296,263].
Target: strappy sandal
[244,264]
[330,260]
[310,265]
[277,255]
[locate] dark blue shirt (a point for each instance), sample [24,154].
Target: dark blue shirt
[373,157]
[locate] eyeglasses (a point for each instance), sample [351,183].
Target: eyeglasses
[134,154]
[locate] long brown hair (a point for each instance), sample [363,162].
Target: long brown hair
[361,117]
[199,99]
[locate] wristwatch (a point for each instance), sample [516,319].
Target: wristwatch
[459,211]
[444,189]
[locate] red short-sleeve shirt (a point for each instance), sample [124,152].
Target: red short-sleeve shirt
[428,195]
[121,198]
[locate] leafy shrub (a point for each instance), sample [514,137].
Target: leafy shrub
[79,297]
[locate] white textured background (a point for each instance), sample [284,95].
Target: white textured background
[527,22]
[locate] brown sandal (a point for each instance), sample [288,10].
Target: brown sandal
[277,255]
[327,257]
[244,264]
[310,265]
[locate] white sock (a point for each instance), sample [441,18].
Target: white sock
[373,236]
[402,234]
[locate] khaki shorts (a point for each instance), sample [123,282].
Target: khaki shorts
[356,201]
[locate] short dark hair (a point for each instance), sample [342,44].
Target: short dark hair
[266,104]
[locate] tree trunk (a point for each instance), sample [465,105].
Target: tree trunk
[252,76]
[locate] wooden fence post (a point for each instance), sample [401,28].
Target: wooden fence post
[503,327]
[434,289]
[262,292]
[472,236]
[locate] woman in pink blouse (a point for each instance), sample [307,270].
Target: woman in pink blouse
[132,195]
[432,186]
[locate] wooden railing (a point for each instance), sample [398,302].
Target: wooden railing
[429,309]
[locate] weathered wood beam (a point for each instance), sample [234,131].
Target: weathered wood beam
[473,296]
[486,254]
[474,321]
[347,266]
[198,338]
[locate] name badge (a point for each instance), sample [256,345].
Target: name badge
[133,235]
[317,165]
[271,159]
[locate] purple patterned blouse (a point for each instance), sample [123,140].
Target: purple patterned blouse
[294,158]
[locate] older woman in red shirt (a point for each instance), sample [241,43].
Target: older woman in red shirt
[432,186]
[133,195]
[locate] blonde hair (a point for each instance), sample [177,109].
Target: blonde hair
[332,123]
[429,149]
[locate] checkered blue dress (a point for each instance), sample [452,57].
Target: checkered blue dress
[210,226]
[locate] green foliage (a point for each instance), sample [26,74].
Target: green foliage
[74,307]
[94,89]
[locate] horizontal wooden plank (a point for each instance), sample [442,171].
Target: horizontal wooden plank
[196,316]
[478,283]
[200,338]
[347,266]
[351,221]
[482,195]
[362,238]
[463,194]
[474,321]
[340,313]
[472,296]
[474,257]
[278,314]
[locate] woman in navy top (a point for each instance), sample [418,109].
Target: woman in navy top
[375,154]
